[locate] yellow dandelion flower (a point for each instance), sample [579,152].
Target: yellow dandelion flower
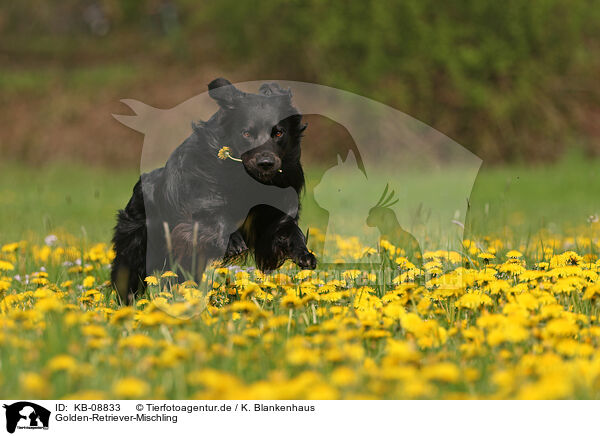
[225,153]
[10,248]
[6,266]
[401,351]
[49,304]
[89,281]
[96,331]
[592,292]
[343,376]
[513,333]
[444,371]
[4,284]
[376,334]
[137,341]
[131,387]
[562,327]
[514,254]
[62,362]
[122,314]
[151,280]
[291,301]
[142,302]
[474,300]
[212,378]
[34,384]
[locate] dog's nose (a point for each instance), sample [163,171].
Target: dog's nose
[265,162]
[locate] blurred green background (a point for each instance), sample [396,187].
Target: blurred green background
[515,82]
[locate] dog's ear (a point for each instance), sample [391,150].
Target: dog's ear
[274,89]
[224,93]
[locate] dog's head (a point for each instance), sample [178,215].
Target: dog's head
[263,129]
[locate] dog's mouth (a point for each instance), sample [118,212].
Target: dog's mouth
[263,167]
[262,175]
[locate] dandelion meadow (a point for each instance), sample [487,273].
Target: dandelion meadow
[514,314]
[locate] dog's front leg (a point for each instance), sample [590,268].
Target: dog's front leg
[283,240]
[298,251]
[290,240]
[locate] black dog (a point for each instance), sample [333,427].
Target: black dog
[199,208]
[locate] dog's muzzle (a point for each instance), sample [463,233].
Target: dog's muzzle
[267,162]
[264,165]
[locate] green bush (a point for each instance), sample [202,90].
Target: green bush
[505,79]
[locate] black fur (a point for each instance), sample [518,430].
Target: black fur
[219,209]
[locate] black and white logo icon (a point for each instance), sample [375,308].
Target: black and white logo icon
[26,415]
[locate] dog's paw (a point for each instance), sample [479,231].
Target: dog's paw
[307,260]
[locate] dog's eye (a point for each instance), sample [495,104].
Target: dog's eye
[278,133]
[246,134]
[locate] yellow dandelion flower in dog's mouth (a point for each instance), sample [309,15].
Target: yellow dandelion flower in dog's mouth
[225,153]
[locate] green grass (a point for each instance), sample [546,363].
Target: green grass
[555,197]
[70,197]
[76,199]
